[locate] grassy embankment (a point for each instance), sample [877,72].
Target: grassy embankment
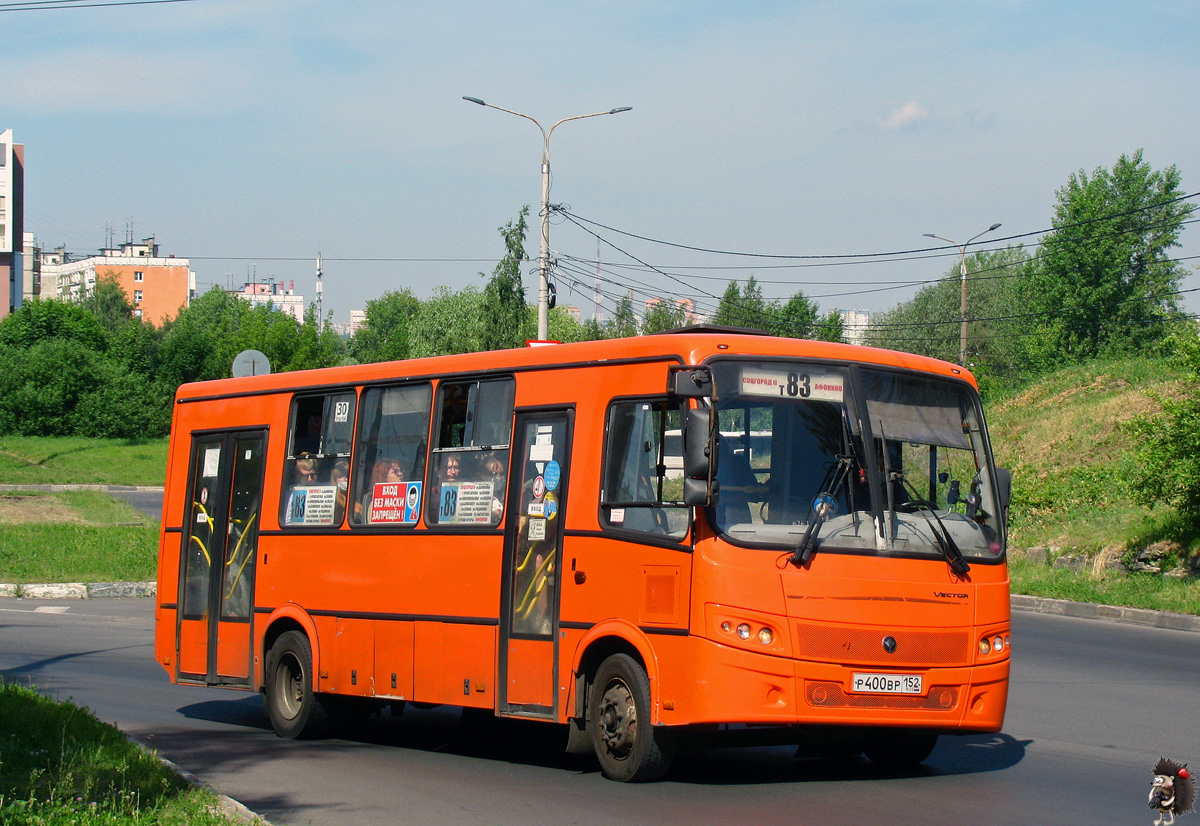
[1065,440]
[76,536]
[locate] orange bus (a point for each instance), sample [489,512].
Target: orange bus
[642,539]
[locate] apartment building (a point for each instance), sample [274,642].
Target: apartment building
[275,295]
[12,229]
[157,286]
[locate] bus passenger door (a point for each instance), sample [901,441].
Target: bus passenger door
[532,564]
[220,542]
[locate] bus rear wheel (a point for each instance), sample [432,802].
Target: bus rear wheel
[296,711]
[628,747]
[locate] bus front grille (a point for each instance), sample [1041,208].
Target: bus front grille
[865,646]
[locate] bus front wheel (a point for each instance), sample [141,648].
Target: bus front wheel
[628,747]
[296,711]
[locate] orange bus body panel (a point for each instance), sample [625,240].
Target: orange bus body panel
[414,613]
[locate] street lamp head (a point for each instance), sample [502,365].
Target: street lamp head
[620,109]
[993,227]
[474,100]
[929,235]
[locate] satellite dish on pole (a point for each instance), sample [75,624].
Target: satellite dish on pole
[250,363]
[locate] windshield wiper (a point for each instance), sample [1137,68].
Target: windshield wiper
[954,557]
[822,507]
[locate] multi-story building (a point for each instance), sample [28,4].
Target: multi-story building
[158,287]
[12,229]
[854,325]
[274,295]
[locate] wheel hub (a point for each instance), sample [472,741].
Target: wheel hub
[618,720]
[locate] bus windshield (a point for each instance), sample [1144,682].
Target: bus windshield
[861,459]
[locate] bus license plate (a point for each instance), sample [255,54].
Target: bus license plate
[887,683]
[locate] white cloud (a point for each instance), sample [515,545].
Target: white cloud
[906,114]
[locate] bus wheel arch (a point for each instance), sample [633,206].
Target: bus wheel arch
[295,708]
[601,642]
[283,619]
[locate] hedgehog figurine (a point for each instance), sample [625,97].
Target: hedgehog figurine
[1172,792]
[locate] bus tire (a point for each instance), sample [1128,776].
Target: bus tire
[899,749]
[628,747]
[295,709]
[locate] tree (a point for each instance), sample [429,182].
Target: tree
[1106,284]
[1166,464]
[664,315]
[797,318]
[447,323]
[108,302]
[745,307]
[830,328]
[930,323]
[562,327]
[624,323]
[384,334]
[44,319]
[503,307]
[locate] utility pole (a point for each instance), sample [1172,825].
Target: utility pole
[962,250]
[319,292]
[544,257]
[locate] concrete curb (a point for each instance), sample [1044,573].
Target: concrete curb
[1115,613]
[227,804]
[78,590]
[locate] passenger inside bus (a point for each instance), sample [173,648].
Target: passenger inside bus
[384,471]
[493,471]
[340,478]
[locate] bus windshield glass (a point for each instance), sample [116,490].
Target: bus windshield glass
[907,471]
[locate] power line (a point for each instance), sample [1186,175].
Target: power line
[575,218]
[61,5]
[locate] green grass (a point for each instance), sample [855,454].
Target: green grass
[60,766]
[1152,591]
[1065,441]
[113,543]
[32,460]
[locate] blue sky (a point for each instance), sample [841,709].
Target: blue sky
[248,136]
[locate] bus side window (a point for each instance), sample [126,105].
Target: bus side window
[389,461]
[643,469]
[319,439]
[469,467]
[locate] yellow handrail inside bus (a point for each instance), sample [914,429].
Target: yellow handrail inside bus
[209,521]
[536,586]
[245,559]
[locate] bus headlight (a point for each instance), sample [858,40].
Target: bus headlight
[743,631]
[765,636]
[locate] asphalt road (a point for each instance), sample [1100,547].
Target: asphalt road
[1093,704]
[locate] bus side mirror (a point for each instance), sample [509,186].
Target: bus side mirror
[690,382]
[1004,492]
[699,458]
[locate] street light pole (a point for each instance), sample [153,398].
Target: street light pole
[962,250]
[543,332]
